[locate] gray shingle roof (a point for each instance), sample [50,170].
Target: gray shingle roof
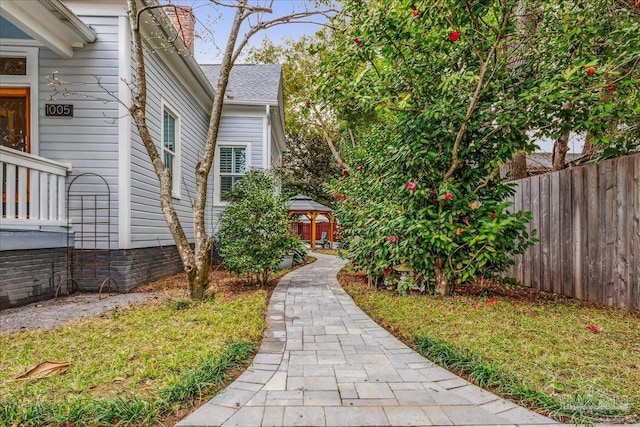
[543,161]
[249,82]
[306,203]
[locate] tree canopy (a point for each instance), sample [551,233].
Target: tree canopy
[439,95]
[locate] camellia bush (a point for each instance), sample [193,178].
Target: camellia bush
[428,90]
[254,230]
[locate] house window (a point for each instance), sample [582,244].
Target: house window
[170,148]
[15,119]
[233,165]
[19,98]
[13,66]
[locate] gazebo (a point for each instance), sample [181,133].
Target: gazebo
[302,205]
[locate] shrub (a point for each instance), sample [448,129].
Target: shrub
[254,230]
[298,249]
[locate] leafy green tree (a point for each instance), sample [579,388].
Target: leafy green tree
[254,230]
[581,59]
[422,189]
[308,166]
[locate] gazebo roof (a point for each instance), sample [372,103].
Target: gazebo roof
[302,203]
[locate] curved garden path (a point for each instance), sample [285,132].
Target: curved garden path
[323,362]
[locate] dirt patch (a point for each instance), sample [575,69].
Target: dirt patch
[58,311]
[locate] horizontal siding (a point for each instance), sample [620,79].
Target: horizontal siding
[247,130]
[89,140]
[148,227]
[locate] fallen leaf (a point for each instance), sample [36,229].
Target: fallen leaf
[44,370]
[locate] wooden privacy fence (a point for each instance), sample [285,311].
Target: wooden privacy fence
[588,222]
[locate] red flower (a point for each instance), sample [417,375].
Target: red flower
[493,216]
[307,103]
[336,195]
[343,198]
[394,239]
[225,296]
[413,8]
[454,36]
[448,196]
[345,174]
[354,262]
[359,167]
[590,71]
[476,308]
[490,302]
[357,41]
[594,328]
[411,185]
[611,88]
[416,15]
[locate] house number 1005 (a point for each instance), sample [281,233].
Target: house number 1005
[59,110]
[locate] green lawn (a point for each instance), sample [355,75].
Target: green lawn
[542,344]
[131,365]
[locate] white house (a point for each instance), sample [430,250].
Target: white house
[79,196]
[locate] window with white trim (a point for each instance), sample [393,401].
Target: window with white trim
[171,147]
[19,98]
[233,165]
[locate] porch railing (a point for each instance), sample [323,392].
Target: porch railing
[33,189]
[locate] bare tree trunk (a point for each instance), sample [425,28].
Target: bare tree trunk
[589,151]
[525,25]
[518,166]
[195,260]
[325,132]
[560,148]
[442,284]
[138,113]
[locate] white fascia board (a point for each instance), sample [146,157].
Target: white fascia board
[250,102]
[182,65]
[243,110]
[40,23]
[97,8]
[266,139]
[277,122]
[124,134]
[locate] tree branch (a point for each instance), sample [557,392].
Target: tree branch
[294,17]
[327,138]
[484,65]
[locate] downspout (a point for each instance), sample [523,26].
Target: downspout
[267,159]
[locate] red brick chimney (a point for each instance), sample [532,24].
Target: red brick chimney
[184,22]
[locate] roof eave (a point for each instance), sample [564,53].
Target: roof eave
[203,90]
[80,28]
[49,22]
[250,102]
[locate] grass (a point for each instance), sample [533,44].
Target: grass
[527,345]
[334,252]
[135,365]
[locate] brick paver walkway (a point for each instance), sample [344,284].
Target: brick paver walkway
[323,362]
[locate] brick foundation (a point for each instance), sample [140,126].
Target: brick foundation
[27,276]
